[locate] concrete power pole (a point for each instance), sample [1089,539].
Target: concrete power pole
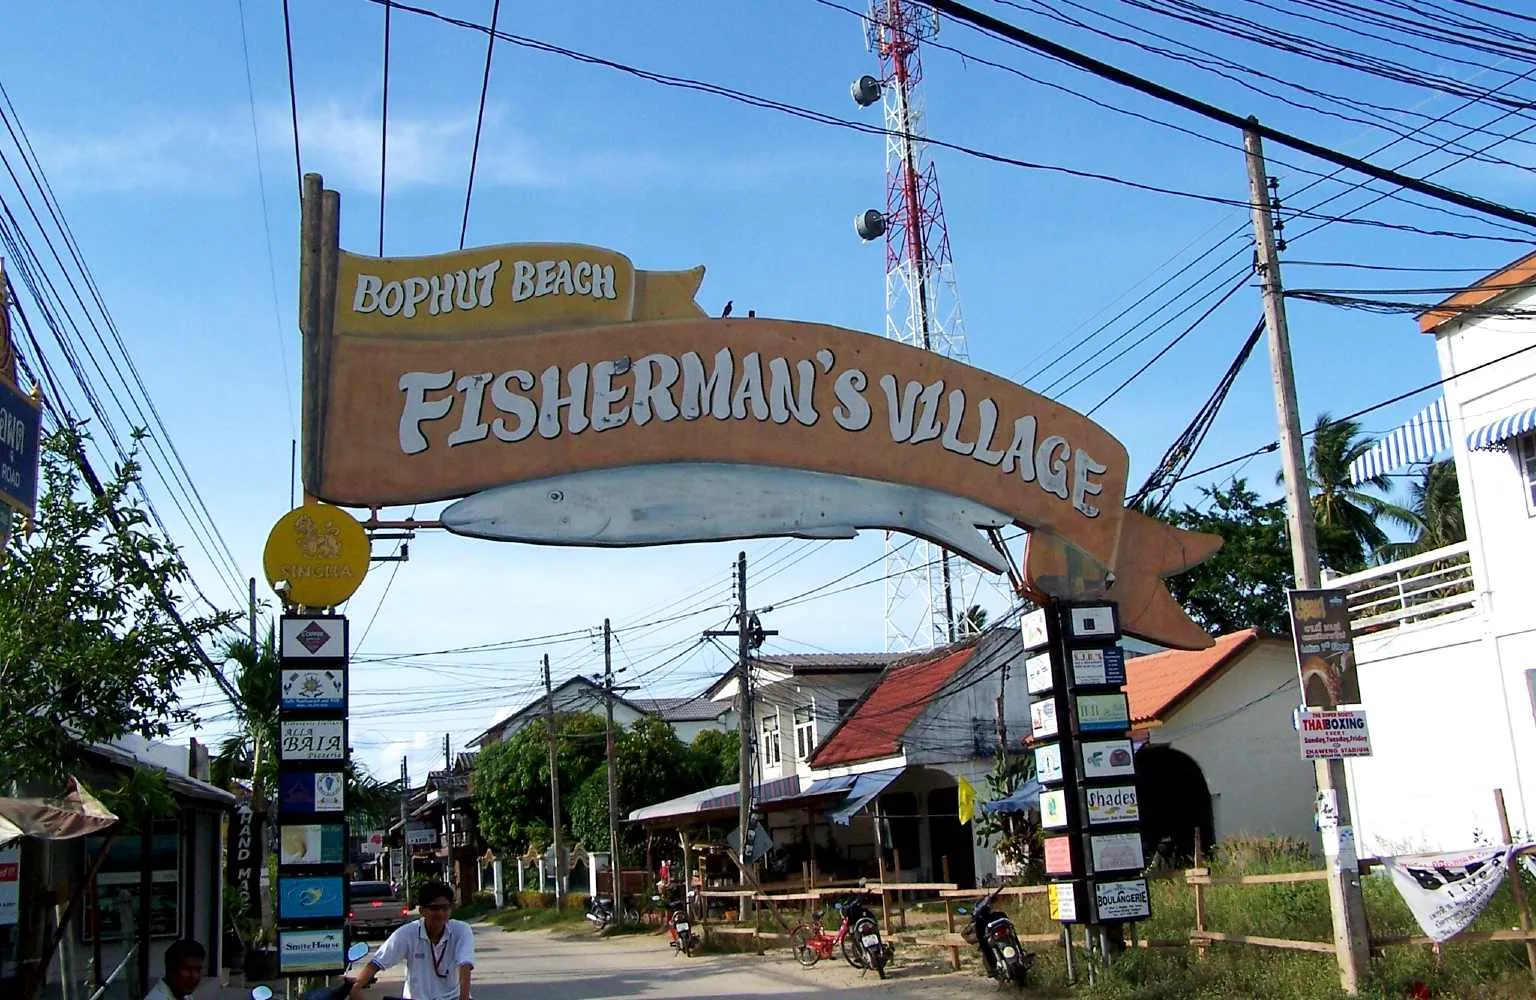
[405,842]
[1350,936]
[554,779]
[447,794]
[744,723]
[615,867]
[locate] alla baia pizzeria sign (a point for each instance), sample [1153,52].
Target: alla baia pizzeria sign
[563,396]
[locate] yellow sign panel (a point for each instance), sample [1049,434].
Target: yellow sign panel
[316,556]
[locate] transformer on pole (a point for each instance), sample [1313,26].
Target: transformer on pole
[927,590]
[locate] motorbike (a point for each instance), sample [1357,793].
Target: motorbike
[863,947]
[600,911]
[338,992]
[993,933]
[679,926]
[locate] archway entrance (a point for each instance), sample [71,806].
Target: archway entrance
[1175,802]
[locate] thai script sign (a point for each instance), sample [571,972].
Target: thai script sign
[1325,648]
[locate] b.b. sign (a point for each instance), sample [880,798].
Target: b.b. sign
[20,430]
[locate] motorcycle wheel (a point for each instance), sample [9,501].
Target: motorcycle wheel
[688,945]
[800,943]
[868,958]
[853,952]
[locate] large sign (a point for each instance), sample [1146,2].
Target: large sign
[20,445]
[565,397]
[1334,734]
[316,557]
[1325,648]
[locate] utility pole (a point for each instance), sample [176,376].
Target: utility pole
[615,868]
[749,635]
[1350,936]
[447,795]
[554,778]
[254,650]
[405,839]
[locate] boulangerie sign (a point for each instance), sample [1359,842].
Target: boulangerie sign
[1446,892]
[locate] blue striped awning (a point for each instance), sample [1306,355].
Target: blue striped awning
[1498,434]
[1423,438]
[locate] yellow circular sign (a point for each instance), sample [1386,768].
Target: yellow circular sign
[316,556]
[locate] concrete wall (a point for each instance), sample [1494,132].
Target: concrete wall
[1240,731]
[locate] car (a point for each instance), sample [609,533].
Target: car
[376,908]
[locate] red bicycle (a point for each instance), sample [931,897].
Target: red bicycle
[857,935]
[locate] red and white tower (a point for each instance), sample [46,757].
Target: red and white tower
[927,590]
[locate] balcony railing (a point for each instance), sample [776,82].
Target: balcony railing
[1409,591]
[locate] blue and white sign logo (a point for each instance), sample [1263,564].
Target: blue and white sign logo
[307,898]
[20,436]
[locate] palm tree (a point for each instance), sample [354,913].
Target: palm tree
[1434,500]
[973,621]
[250,752]
[1348,518]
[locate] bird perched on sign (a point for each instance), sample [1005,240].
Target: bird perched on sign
[727,310]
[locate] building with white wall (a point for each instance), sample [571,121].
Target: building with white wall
[1446,641]
[687,716]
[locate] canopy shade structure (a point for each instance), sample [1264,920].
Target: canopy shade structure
[1024,798]
[77,813]
[1498,434]
[1423,438]
[865,788]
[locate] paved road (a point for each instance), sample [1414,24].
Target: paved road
[566,965]
[532,965]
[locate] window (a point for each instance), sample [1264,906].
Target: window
[844,706]
[805,733]
[1525,452]
[770,750]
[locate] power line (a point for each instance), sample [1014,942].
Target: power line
[293,100]
[1003,29]
[485,86]
[384,127]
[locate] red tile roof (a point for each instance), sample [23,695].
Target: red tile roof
[876,725]
[1159,683]
[1518,275]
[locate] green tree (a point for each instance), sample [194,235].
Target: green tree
[253,743]
[91,648]
[510,784]
[653,765]
[1434,498]
[715,756]
[1349,531]
[1244,584]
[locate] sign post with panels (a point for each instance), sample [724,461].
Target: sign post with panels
[1089,805]
[312,879]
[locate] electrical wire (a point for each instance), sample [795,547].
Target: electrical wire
[485,86]
[293,101]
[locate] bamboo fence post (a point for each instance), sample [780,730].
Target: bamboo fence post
[1516,884]
[949,925]
[1200,949]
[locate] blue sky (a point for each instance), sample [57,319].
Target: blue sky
[142,117]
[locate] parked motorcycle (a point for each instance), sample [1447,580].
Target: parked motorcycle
[863,947]
[600,911]
[993,933]
[679,926]
[338,992]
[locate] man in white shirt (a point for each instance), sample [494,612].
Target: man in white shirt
[439,952]
[184,961]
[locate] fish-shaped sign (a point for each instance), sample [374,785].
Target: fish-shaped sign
[567,398]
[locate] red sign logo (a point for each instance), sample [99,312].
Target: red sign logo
[313,637]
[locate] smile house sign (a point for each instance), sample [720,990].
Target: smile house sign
[562,396]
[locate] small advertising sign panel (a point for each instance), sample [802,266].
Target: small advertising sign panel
[1094,622]
[1103,712]
[1334,734]
[317,637]
[1108,759]
[323,739]
[373,842]
[313,688]
[311,898]
[1114,804]
[420,836]
[1114,902]
[1116,852]
[20,445]
[1048,768]
[1098,667]
[310,792]
[1033,628]
[1042,719]
[312,844]
[1037,674]
[10,884]
[1063,900]
[1053,809]
[311,952]
[1058,856]
[244,859]
[1325,648]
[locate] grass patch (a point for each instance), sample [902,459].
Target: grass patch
[538,919]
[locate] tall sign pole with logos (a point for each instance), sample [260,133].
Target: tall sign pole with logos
[315,558]
[20,432]
[1080,721]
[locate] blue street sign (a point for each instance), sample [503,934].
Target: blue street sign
[20,442]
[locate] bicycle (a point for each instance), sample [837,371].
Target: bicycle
[858,939]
